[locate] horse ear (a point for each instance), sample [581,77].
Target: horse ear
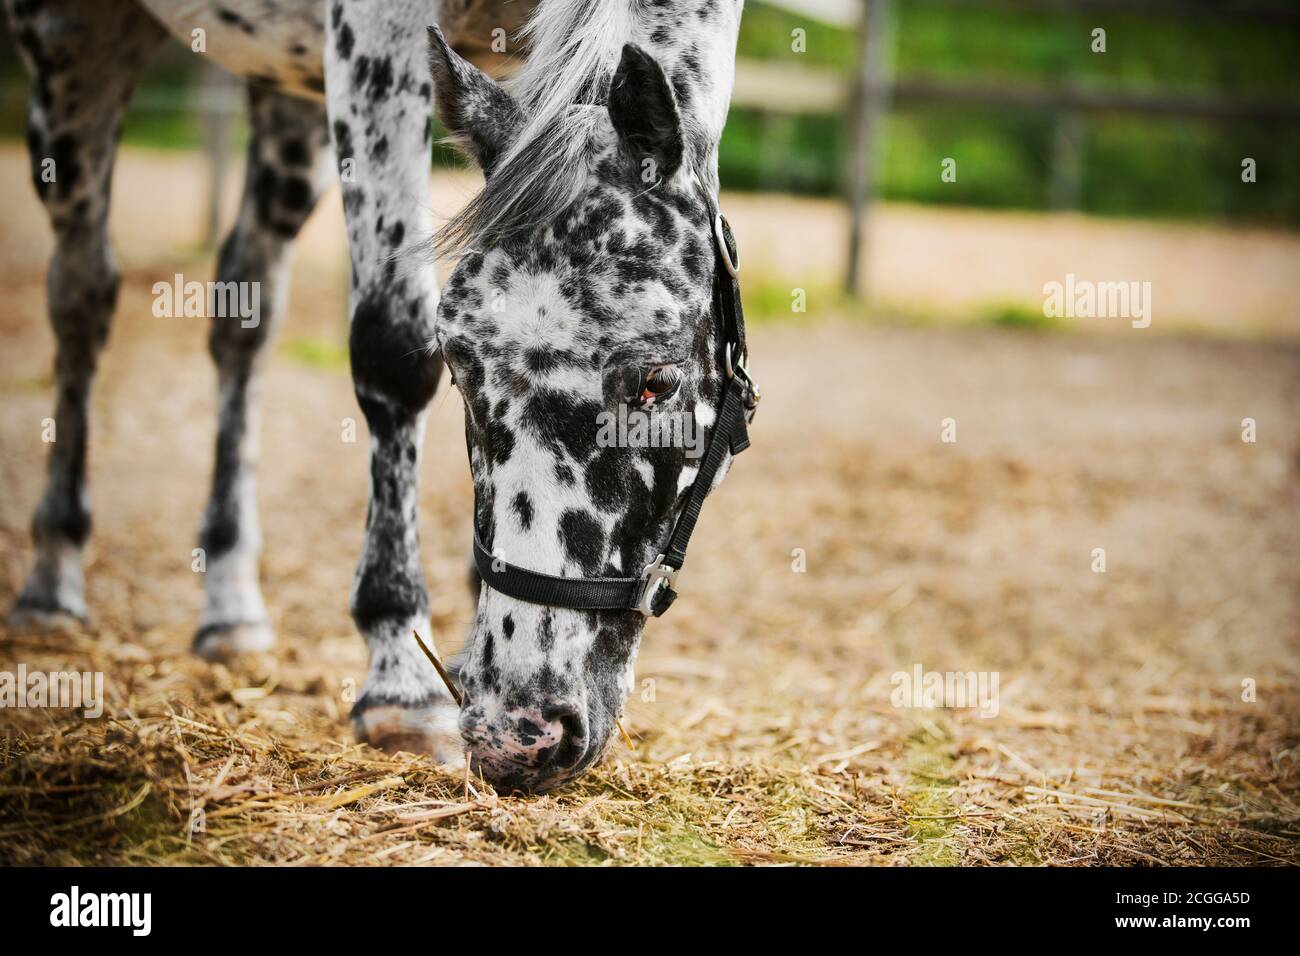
[645,115]
[482,118]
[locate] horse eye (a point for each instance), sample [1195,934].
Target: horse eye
[660,382]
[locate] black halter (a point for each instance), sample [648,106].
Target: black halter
[653,591]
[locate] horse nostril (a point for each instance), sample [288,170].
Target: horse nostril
[573,741]
[574,726]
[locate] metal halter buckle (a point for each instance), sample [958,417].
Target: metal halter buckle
[656,576]
[720,225]
[737,368]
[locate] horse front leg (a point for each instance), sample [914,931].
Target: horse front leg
[380,103]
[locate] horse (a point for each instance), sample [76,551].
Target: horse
[593,272]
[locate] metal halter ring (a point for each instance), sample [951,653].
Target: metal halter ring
[737,365]
[719,232]
[738,369]
[656,576]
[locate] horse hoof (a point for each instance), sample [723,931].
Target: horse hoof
[432,730]
[222,642]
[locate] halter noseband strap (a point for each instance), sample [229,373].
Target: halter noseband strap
[654,590]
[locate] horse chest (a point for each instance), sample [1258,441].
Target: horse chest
[279,43]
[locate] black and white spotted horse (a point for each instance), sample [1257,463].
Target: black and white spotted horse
[592,273]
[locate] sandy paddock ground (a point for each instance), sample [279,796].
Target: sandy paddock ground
[763,724]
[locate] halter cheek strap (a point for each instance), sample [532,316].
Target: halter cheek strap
[654,590]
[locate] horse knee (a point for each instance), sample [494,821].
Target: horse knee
[395,370]
[234,341]
[82,292]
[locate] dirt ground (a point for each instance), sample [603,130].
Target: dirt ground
[1126,731]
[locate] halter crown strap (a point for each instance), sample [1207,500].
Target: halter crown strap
[654,590]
